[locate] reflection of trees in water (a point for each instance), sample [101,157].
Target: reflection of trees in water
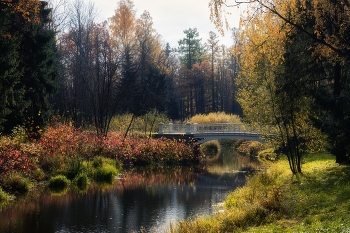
[228,160]
[145,177]
[145,182]
[140,197]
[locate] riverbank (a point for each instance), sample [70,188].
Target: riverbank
[276,201]
[65,155]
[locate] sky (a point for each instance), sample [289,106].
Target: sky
[172,17]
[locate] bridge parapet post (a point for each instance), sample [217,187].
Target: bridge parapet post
[195,127]
[161,128]
[188,128]
[171,127]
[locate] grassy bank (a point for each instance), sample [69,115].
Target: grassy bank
[276,201]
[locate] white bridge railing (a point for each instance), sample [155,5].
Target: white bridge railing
[195,128]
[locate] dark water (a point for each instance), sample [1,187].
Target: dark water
[147,199]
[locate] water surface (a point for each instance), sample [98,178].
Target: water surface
[147,199]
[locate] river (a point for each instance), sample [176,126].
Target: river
[141,200]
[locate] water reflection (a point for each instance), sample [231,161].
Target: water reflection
[143,198]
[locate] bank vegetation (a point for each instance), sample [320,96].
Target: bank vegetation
[275,200]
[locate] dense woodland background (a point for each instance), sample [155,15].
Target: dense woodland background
[67,63]
[287,68]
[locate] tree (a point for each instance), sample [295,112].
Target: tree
[213,48]
[30,45]
[273,89]
[152,67]
[329,30]
[172,65]
[122,27]
[39,54]
[10,72]
[28,10]
[191,52]
[190,48]
[76,50]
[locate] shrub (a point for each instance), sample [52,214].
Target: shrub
[250,147]
[16,183]
[16,156]
[210,148]
[104,169]
[39,174]
[73,167]
[105,173]
[19,134]
[51,164]
[58,182]
[81,181]
[218,117]
[142,124]
[97,162]
[4,197]
[268,154]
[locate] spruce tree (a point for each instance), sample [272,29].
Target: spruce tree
[28,69]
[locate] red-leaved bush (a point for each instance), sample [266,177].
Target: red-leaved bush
[61,142]
[16,156]
[65,140]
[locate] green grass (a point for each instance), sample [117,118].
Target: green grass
[104,169]
[276,201]
[4,197]
[58,183]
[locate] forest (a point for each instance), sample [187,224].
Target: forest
[66,63]
[287,68]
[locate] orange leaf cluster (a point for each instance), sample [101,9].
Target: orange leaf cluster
[29,9]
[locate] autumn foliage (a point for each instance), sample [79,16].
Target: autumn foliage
[28,9]
[63,142]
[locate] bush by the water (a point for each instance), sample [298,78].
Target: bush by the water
[58,182]
[73,167]
[65,150]
[105,173]
[267,154]
[4,197]
[81,181]
[250,147]
[16,183]
[104,169]
[210,148]
[65,141]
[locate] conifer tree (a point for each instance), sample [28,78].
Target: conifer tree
[31,56]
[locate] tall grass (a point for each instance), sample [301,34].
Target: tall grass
[274,200]
[145,124]
[214,117]
[104,169]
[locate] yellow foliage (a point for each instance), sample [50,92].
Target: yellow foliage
[218,117]
[29,9]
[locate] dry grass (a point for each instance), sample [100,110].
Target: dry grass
[218,117]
